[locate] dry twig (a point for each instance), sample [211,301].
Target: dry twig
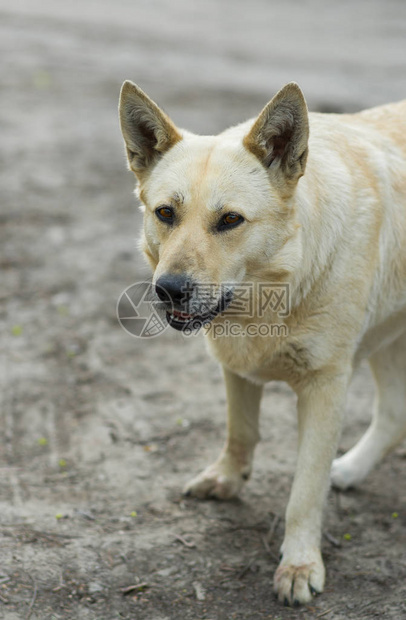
[246,568]
[272,529]
[325,612]
[135,587]
[190,545]
[334,541]
[85,515]
[34,596]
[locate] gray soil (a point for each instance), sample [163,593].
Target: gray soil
[101,430]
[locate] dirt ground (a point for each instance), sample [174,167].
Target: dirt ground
[101,430]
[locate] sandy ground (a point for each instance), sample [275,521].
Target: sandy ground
[100,430]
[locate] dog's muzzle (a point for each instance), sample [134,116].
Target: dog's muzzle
[189,305]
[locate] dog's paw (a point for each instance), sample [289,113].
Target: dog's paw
[295,584]
[344,474]
[222,480]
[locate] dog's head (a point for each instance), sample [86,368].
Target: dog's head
[218,210]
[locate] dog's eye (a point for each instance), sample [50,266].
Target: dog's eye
[230,220]
[165,214]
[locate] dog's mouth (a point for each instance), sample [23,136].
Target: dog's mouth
[182,321]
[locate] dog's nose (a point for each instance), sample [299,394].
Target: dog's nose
[174,288]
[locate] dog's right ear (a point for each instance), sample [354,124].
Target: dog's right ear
[147,131]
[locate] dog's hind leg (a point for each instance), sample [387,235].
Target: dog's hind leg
[224,478]
[388,426]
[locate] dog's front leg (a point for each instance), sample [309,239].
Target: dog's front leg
[224,478]
[301,571]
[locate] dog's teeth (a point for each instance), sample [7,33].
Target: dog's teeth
[179,318]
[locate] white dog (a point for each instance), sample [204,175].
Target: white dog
[316,202]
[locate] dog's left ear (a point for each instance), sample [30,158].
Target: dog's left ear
[279,137]
[147,131]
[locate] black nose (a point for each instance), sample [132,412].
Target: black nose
[175,289]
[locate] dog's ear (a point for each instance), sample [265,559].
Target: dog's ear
[148,132]
[279,137]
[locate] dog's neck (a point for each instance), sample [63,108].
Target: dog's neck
[322,219]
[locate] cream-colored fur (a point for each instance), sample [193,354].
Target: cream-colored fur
[323,198]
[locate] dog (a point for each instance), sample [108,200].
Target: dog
[310,201]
